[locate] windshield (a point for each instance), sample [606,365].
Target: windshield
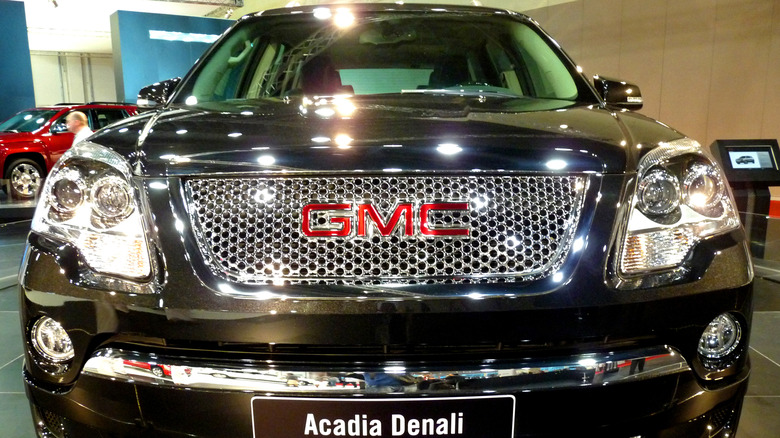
[27,121]
[384,52]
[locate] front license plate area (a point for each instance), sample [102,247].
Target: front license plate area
[462,417]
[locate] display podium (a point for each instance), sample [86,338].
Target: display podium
[751,167]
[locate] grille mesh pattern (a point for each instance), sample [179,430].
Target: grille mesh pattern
[249,230]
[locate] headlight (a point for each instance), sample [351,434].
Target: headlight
[67,192]
[88,201]
[681,198]
[703,187]
[658,192]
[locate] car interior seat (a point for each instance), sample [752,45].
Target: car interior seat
[320,77]
[450,71]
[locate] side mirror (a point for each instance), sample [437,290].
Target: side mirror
[59,128]
[618,93]
[156,95]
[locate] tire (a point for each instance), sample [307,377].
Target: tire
[157,371]
[25,178]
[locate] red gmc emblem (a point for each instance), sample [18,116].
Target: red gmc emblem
[342,219]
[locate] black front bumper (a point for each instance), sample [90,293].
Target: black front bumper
[559,389]
[673,405]
[566,366]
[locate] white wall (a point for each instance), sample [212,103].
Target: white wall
[710,68]
[72,77]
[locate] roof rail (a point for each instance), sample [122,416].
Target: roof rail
[108,103]
[70,103]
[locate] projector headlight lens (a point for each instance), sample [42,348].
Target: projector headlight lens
[67,191]
[112,200]
[703,189]
[658,193]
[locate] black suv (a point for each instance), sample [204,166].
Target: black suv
[387,220]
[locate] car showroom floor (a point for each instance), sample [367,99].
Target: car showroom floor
[760,416]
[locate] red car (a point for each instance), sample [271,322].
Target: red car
[32,140]
[159,370]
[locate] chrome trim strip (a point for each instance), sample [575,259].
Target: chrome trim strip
[389,377]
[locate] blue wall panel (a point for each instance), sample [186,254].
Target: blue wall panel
[141,59]
[16,84]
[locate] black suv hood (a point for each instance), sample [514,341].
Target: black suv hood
[401,135]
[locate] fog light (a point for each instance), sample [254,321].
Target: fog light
[51,341]
[721,337]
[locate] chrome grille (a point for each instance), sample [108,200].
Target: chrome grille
[249,230]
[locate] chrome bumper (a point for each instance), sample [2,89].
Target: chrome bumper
[389,377]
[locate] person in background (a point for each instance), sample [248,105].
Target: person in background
[77,124]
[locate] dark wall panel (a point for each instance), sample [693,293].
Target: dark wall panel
[16,92]
[153,47]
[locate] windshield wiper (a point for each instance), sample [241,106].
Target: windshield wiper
[13,131]
[463,92]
